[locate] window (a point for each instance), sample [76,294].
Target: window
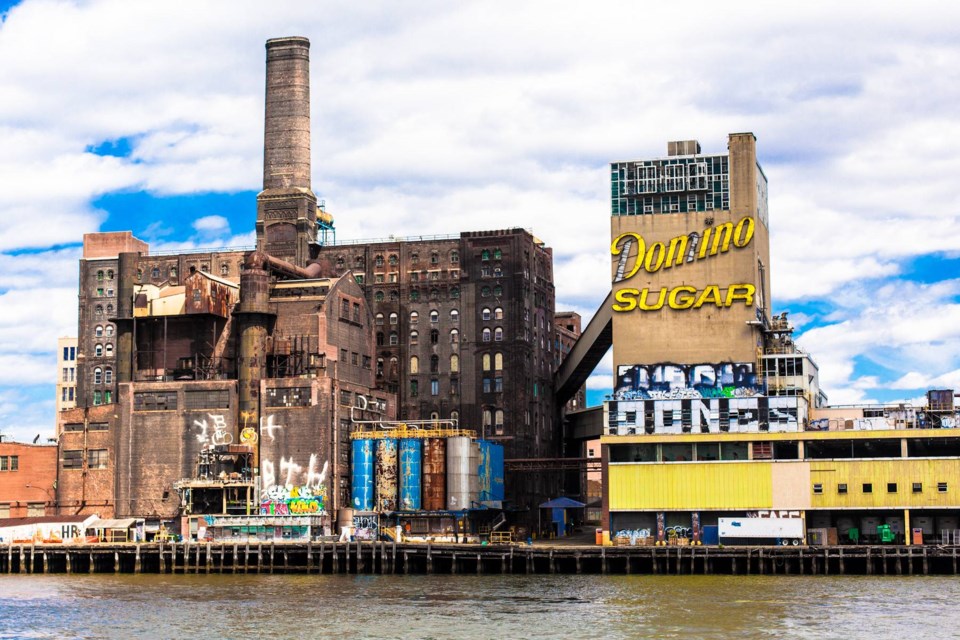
[225,269]
[434,316]
[108,330]
[354,358]
[36,510]
[842,488]
[486,385]
[485,254]
[497,272]
[498,422]
[378,319]
[486,362]
[109,310]
[942,487]
[498,384]
[155,273]
[98,310]
[414,295]
[498,291]
[818,488]
[414,257]
[497,254]
[454,363]
[414,365]
[108,376]
[358,261]
[485,335]
[394,338]
[434,336]
[356,312]
[414,337]
[378,296]
[378,278]
[434,258]
[484,272]
[454,315]
[98,331]
[173,272]
[414,317]
[498,334]
[98,376]
[107,397]
[378,261]
[487,417]
[414,388]
[498,313]
[108,350]
[394,296]
[485,292]
[434,294]
[455,257]
[434,364]
[73,459]
[454,293]
[485,314]
[434,387]
[380,338]
[344,308]
[9,463]
[155,401]
[343,356]
[97,458]
[454,336]
[100,276]
[99,426]
[867,487]
[498,362]
[918,487]
[366,362]
[393,260]
[891,487]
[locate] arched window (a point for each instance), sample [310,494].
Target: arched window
[454,293]
[498,291]
[380,367]
[155,273]
[108,350]
[434,257]
[109,274]
[414,257]
[414,295]
[485,314]
[378,261]
[173,273]
[98,310]
[454,315]
[379,338]
[414,364]
[108,376]
[498,313]
[358,261]
[485,254]
[224,269]
[100,276]
[414,317]
[434,316]
[497,272]
[340,261]
[497,254]
[434,294]
[98,330]
[394,296]
[393,259]
[487,417]
[378,296]
[434,336]
[454,363]
[98,376]
[455,256]
[434,415]
[486,334]
[485,292]
[109,310]
[498,362]
[498,334]
[454,336]
[139,275]
[486,362]
[98,350]
[394,338]
[109,330]
[434,364]
[378,319]
[414,337]
[394,318]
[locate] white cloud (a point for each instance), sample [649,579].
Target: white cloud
[211,224]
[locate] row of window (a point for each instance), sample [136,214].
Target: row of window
[93,426]
[98,311]
[102,397]
[415,317]
[892,487]
[69,374]
[100,275]
[173,272]
[380,296]
[69,354]
[394,260]
[355,359]
[103,330]
[9,463]
[67,394]
[434,364]
[101,350]
[96,459]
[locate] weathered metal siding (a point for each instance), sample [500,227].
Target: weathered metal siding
[473,499]
[691,486]
[490,471]
[879,473]
[458,473]
[362,478]
[435,474]
[410,457]
[386,475]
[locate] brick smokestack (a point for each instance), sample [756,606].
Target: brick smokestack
[286,138]
[287,207]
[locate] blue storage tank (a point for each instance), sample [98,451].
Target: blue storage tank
[362,476]
[411,455]
[491,471]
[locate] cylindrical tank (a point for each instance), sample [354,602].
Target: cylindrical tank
[435,474]
[458,473]
[490,471]
[474,497]
[362,478]
[411,450]
[345,517]
[386,475]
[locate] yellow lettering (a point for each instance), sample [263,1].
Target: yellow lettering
[740,292]
[723,231]
[687,301]
[656,249]
[615,249]
[677,252]
[710,294]
[744,232]
[627,299]
[644,306]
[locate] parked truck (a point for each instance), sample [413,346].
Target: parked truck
[761,530]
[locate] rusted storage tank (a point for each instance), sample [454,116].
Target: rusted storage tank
[490,471]
[386,475]
[435,474]
[458,473]
[362,476]
[410,458]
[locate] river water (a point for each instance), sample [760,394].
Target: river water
[501,607]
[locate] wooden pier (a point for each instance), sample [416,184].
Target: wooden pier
[393,558]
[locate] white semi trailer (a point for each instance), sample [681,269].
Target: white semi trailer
[777,530]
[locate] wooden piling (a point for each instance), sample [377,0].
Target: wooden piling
[136,561]
[910,560]
[926,568]
[899,564]
[553,568]
[843,571]
[869,561]
[69,557]
[273,549]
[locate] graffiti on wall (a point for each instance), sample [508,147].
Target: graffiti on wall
[697,415]
[289,487]
[366,527]
[213,434]
[677,381]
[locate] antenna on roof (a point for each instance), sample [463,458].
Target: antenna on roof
[37,439]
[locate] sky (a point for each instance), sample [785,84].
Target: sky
[436,117]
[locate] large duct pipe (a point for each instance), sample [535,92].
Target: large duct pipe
[286,139]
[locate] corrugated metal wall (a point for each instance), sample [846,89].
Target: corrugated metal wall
[685,487]
[879,473]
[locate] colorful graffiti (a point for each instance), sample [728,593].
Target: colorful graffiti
[667,381]
[714,415]
[366,527]
[293,500]
[289,488]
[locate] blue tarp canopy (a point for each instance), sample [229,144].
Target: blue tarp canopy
[562,503]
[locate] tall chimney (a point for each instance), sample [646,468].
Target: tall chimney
[287,207]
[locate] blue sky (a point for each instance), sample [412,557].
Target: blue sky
[441,118]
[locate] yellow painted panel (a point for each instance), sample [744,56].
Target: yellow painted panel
[691,486]
[879,473]
[791,485]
